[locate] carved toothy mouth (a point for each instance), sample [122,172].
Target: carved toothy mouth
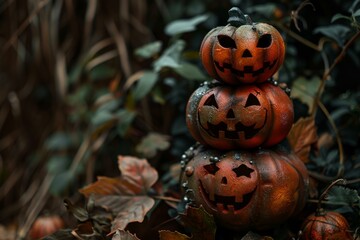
[247,69]
[220,130]
[226,203]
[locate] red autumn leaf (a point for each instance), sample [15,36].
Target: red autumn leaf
[168,235]
[126,195]
[302,136]
[124,235]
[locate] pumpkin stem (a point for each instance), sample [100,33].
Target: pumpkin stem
[238,18]
[320,210]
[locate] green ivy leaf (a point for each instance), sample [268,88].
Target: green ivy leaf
[339,194]
[58,141]
[185,25]
[336,31]
[190,71]
[356,13]
[339,16]
[305,90]
[145,84]
[266,9]
[125,118]
[101,72]
[151,143]
[149,50]
[171,56]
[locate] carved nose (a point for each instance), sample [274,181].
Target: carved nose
[246,54]
[230,114]
[224,180]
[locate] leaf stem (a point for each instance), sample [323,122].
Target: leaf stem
[171,199]
[338,139]
[325,192]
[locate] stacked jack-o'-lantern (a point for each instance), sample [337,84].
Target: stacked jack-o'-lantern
[238,172]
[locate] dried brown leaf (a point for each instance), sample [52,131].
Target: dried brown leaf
[254,236]
[168,235]
[302,136]
[125,196]
[200,222]
[124,235]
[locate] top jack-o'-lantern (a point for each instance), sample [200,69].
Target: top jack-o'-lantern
[242,51]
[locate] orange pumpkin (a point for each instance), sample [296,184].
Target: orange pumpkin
[245,189]
[247,116]
[45,225]
[323,225]
[242,53]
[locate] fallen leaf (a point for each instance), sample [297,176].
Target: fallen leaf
[305,90]
[254,236]
[125,196]
[200,223]
[302,136]
[124,235]
[152,143]
[168,235]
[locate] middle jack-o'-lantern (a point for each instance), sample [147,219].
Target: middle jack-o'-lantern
[243,189]
[249,116]
[242,51]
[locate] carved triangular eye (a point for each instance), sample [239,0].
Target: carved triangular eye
[226,41]
[264,41]
[243,170]
[211,101]
[211,168]
[252,100]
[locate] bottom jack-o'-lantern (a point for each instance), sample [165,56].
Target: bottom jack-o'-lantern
[245,190]
[323,225]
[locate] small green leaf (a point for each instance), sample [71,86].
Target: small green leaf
[58,141]
[165,61]
[341,194]
[266,9]
[305,90]
[57,164]
[356,13]
[184,25]
[101,117]
[336,31]
[190,71]
[101,72]
[61,182]
[125,118]
[149,50]
[339,16]
[145,84]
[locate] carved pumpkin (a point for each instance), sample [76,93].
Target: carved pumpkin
[323,225]
[246,189]
[247,116]
[242,53]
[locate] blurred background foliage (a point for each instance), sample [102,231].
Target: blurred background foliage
[84,81]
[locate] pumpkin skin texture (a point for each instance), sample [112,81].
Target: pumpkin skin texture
[325,226]
[246,190]
[244,54]
[45,225]
[248,116]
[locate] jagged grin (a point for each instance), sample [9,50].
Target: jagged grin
[221,131]
[247,69]
[226,203]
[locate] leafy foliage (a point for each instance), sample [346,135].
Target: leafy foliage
[86,81]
